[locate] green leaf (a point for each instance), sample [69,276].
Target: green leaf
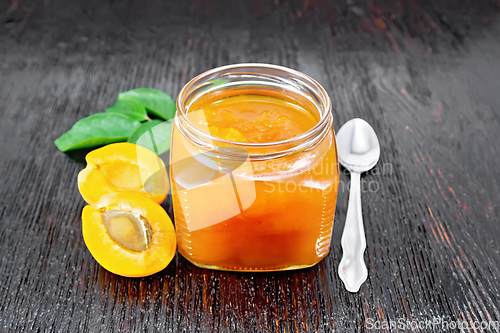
[129,107]
[97,129]
[154,135]
[156,102]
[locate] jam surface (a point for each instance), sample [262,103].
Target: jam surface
[256,119]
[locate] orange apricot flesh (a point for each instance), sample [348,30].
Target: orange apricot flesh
[122,167]
[230,134]
[129,234]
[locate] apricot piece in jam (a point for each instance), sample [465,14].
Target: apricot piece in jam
[122,167]
[129,234]
[230,134]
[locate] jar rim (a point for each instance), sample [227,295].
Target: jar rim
[325,113]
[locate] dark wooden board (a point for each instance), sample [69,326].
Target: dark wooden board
[425,74]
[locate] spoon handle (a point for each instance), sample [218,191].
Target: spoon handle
[352,268]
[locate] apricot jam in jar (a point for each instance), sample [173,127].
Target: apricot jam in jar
[254,169]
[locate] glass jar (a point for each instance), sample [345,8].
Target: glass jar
[243,206]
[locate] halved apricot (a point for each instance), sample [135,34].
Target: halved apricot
[129,234]
[122,167]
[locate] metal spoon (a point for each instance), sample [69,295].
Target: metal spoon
[359,151]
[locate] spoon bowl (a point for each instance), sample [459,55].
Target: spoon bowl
[358,146]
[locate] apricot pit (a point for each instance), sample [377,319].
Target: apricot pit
[130,231]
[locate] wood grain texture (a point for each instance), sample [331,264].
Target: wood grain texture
[425,74]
